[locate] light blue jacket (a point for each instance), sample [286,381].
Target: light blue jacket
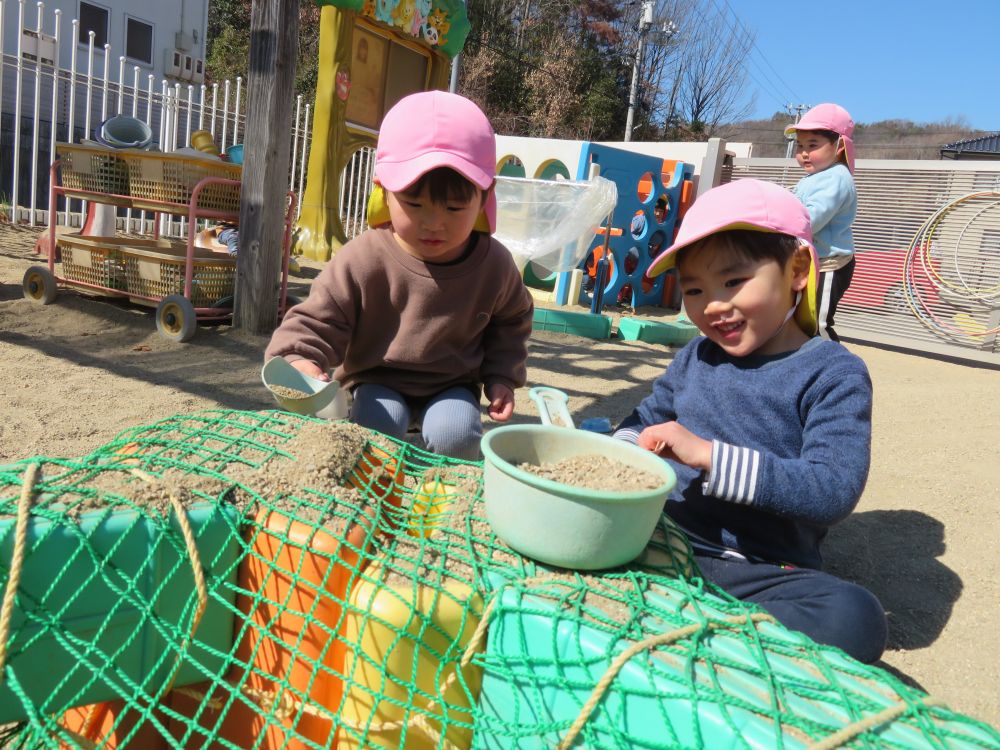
[832,202]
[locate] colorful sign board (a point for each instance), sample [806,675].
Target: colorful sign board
[442,25]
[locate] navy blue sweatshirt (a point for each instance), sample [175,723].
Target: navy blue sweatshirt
[791,445]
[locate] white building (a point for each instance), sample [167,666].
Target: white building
[147,57]
[165,38]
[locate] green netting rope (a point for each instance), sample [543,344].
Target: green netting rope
[262,580]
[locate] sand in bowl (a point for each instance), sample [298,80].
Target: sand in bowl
[595,472]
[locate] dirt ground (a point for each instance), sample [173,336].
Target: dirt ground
[924,537]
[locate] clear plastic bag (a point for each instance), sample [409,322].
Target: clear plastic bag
[551,222]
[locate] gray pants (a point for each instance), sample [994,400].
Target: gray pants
[450,421]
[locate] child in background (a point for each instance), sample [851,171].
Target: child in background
[767,426]
[824,148]
[660,210]
[229,235]
[419,313]
[226,237]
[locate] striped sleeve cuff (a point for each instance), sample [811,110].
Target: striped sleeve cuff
[628,434]
[733,476]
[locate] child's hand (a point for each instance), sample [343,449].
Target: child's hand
[501,402]
[670,440]
[307,367]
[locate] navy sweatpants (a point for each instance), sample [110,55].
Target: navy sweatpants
[832,286]
[828,609]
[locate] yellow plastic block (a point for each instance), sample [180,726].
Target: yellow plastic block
[432,500]
[407,639]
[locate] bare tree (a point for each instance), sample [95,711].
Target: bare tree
[694,78]
[712,78]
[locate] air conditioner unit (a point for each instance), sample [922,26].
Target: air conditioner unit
[187,67]
[172,63]
[198,74]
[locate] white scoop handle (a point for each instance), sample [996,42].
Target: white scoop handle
[552,403]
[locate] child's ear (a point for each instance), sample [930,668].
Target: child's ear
[801,263]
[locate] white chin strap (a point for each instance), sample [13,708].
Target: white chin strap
[788,316]
[795,306]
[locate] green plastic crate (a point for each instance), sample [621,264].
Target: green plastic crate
[676,333]
[589,325]
[114,595]
[669,696]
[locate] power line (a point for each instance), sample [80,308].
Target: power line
[762,56]
[769,88]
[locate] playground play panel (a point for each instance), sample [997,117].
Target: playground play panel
[372,605]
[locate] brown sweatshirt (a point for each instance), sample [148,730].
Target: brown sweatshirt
[379,315]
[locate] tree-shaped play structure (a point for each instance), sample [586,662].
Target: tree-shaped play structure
[372,54]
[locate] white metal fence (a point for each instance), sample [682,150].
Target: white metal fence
[43,102]
[355,187]
[927,235]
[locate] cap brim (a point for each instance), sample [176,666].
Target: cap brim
[665,260]
[378,211]
[396,176]
[848,142]
[805,314]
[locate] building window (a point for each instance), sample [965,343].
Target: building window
[138,40]
[93,18]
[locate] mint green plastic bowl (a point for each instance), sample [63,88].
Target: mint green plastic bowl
[325,400]
[558,524]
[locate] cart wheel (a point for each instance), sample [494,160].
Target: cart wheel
[175,318]
[39,285]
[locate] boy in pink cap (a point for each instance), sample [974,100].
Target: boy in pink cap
[422,311]
[824,148]
[766,425]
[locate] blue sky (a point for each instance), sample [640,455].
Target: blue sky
[881,59]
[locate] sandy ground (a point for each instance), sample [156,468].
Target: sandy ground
[924,537]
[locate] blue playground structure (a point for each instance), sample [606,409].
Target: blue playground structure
[638,235]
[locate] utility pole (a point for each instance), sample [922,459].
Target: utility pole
[645,21]
[456,61]
[799,109]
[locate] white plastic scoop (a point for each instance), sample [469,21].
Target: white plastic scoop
[317,395]
[552,406]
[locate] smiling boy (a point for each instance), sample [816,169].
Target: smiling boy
[766,425]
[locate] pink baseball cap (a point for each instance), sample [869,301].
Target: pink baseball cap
[433,129]
[829,117]
[755,205]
